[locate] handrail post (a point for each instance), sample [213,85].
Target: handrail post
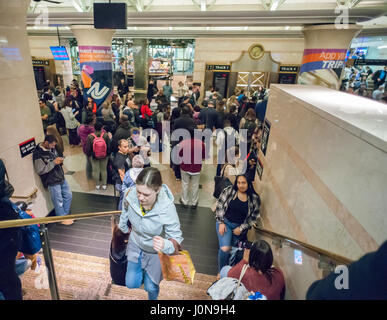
[49,262]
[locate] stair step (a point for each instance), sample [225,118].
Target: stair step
[82,277]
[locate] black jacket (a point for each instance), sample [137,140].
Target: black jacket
[367,280]
[184,122]
[122,89]
[122,132]
[209,117]
[10,285]
[50,173]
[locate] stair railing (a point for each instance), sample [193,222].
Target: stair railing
[279,239]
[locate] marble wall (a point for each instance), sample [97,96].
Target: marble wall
[225,50]
[20,119]
[325,171]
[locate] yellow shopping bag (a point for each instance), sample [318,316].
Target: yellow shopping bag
[177,267]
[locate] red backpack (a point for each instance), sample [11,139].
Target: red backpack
[99,146]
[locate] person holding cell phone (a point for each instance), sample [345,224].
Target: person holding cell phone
[138,144]
[69,115]
[49,166]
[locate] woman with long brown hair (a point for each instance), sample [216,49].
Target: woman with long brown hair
[150,209]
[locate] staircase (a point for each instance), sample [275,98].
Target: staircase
[83,277]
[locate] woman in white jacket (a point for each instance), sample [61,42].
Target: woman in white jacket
[71,124]
[155,226]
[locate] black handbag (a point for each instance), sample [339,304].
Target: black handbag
[118,266]
[220,184]
[117,256]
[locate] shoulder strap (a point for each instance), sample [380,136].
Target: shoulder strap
[176,245]
[245,267]
[224,169]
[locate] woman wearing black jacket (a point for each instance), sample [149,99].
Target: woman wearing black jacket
[10,285]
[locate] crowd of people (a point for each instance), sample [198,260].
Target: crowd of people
[118,151]
[365,82]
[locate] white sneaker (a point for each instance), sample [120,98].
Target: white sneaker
[98,187]
[104,187]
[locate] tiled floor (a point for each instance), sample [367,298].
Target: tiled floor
[75,169]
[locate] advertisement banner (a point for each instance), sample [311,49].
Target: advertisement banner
[322,67]
[96,70]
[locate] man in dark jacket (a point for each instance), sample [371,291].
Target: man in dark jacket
[122,132]
[209,116]
[379,77]
[366,280]
[10,285]
[122,88]
[260,109]
[152,89]
[48,165]
[185,120]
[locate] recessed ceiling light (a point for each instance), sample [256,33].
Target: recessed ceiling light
[274,5]
[203,5]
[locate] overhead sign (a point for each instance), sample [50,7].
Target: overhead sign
[27,147]
[290,69]
[218,67]
[370,62]
[59,53]
[40,62]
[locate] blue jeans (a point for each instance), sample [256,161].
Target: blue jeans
[136,276]
[61,197]
[119,189]
[21,266]
[227,240]
[224,271]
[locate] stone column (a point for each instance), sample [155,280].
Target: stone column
[324,54]
[96,61]
[141,68]
[20,120]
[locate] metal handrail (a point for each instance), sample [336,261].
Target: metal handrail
[47,220]
[322,252]
[31,195]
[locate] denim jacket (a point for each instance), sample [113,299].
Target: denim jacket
[162,220]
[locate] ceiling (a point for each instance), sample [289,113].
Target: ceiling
[212,18]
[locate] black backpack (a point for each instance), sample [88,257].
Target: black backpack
[250,125]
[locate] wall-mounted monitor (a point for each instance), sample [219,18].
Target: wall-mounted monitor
[59,53]
[110,16]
